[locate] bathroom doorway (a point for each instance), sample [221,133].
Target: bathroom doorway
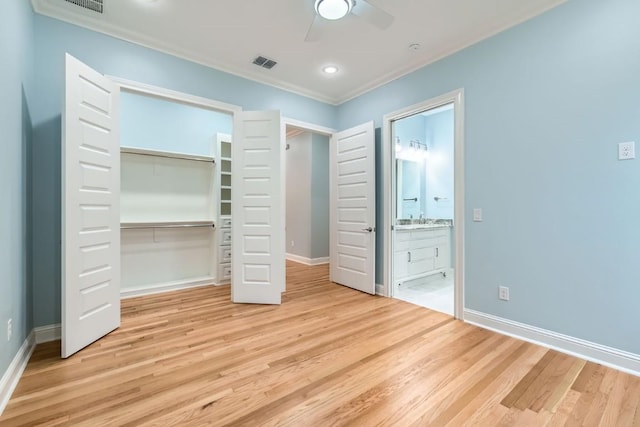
[423,241]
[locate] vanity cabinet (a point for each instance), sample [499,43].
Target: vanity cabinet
[420,252]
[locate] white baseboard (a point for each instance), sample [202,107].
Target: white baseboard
[47,333]
[166,287]
[308,261]
[607,356]
[380,289]
[10,379]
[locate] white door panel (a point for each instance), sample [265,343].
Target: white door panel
[353,208]
[90,204]
[258,274]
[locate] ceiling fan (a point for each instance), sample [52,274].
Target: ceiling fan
[332,10]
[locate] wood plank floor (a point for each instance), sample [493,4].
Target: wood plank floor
[327,356]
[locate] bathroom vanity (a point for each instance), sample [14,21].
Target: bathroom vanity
[421,250]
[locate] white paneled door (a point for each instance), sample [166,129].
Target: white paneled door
[257,208]
[90,207]
[353,206]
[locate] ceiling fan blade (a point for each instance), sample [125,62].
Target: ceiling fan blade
[372,14]
[315,30]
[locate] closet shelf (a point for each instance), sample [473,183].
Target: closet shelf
[166,154]
[166,224]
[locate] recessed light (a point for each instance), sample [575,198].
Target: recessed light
[330,69]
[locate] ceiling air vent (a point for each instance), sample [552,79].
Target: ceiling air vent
[95,5]
[263,62]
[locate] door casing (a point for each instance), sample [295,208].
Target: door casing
[389,191]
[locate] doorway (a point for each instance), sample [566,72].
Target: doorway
[307,196]
[422,161]
[343,195]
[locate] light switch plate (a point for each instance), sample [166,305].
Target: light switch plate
[477,215]
[626,150]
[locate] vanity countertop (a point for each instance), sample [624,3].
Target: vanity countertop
[421,226]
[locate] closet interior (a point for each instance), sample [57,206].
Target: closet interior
[175,195]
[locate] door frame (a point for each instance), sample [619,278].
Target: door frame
[175,96]
[389,191]
[313,128]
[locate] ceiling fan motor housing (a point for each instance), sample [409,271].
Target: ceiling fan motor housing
[333,9]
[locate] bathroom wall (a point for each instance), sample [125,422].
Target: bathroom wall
[435,176]
[411,129]
[407,129]
[439,134]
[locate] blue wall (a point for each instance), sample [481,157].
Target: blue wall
[126,60]
[546,103]
[412,180]
[439,134]
[149,122]
[16,49]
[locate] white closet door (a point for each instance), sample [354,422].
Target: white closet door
[353,205]
[257,208]
[90,207]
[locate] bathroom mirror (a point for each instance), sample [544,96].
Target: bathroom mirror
[410,189]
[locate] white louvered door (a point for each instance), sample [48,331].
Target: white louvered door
[257,208]
[90,207]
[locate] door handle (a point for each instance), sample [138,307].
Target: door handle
[408,256]
[369,229]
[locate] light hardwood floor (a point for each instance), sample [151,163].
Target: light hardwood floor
[327,356]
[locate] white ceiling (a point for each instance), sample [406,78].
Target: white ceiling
[228,34]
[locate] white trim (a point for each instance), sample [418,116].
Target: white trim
[310,127]
[47,333]
[307,261]
[608,356]
[12,375]
[166,287]
[388,157]
[380,289]
[175,96]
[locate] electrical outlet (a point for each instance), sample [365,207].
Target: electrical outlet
[503,293]
[477,215]
[293,243]
[9,329]
[626,150]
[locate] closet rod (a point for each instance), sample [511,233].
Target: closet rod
[134,225]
